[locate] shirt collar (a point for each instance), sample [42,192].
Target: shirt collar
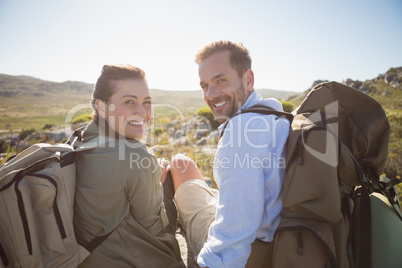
[251,100]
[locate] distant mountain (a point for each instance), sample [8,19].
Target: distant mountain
[19,90]
[12,86]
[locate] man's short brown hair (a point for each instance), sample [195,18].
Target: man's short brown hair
[239,55]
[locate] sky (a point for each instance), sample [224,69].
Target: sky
[292,43]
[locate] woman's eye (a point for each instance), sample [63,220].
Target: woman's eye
[147,102]
[129,102]
[221,80]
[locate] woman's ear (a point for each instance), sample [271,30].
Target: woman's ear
[101,108]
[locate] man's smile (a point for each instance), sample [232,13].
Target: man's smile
[220,104]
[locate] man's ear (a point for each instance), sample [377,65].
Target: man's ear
[101,108]
[249,80]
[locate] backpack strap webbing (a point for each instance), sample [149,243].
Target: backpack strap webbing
[3,257]
[263,109]
[260,109]
[365,229]
[91,246]
[364,218]
[386,188]
[76,137]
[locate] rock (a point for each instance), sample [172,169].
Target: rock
[208,181]
[185,128]
[214,137]
[316,82]
[171,131]
[349,82]
[186,253]
[35,136]
[388,78]
[78,125]
[56,136]
[355,84]
[203,124]
[178,134]
[199,133]
[22,145]
[193,123]
[208,151]
[171,124]
[395,84]
[363,89]
[203,141]
[183,141]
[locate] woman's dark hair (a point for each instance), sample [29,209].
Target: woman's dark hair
[104,87]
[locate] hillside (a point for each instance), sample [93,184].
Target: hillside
[27,102]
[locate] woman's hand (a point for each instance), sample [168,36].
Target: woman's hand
[165,167]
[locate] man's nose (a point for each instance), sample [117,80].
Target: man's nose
[211,93]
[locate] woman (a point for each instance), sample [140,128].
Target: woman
[118,190]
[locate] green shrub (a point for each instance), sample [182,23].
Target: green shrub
[82,119]
[157,131]
[207,113]
[393,167]
[287,106]
[24,133]
[47,126]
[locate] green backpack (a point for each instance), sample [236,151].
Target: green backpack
[37,189]
[336,152]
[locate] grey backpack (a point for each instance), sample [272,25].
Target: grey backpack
[37,189]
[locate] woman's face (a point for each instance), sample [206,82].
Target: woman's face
[129,111]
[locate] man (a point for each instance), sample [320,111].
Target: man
[248,167]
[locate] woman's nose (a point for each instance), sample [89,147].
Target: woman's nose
[141,111]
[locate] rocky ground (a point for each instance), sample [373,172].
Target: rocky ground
[186,253]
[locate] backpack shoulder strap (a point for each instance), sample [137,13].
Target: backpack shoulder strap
[75,137]
[261,109]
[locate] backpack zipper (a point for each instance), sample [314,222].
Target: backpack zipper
[20,175]
[298,152]
[300,149]
[56,210]
[300,249]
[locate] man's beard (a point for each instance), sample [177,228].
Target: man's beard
[241,99]
[234,104]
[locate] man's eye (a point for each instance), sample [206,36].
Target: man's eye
[221,80]
[204,87]
[129,102]
[147,102]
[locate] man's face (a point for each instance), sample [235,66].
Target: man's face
[223,90]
